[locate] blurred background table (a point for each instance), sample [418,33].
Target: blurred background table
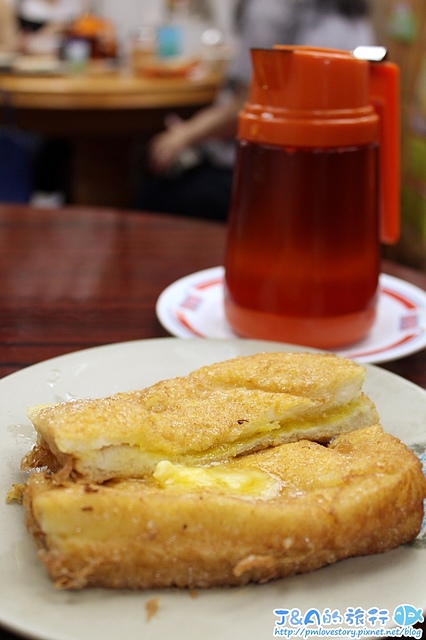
[103,114]
[79,277]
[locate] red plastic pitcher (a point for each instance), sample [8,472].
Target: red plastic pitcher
[316,191]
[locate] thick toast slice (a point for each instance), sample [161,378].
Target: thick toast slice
[285,510]
[214,414]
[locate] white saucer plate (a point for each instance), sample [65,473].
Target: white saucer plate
[192,307]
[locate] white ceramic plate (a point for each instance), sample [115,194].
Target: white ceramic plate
[192,307]
[30,605]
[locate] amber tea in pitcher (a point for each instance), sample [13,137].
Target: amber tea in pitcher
[313,196]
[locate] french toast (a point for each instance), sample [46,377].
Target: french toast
[287,509]
[215,413]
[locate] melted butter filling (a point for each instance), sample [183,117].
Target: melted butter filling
[252,438]
[248,483]
[132,459]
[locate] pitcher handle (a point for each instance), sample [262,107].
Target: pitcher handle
[385,97]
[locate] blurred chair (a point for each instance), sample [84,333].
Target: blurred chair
[16,165]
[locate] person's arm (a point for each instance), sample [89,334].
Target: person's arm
[265,23]
[217,121]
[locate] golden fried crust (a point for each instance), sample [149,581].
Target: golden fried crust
[216,413]
[323,377]
[362,494]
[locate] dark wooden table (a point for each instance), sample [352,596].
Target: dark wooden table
[79,277]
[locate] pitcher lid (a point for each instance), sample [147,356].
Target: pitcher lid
[309,97]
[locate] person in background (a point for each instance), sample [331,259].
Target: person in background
[191,161]
[41,20]
[34,15]
[8,27]
[41,24]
